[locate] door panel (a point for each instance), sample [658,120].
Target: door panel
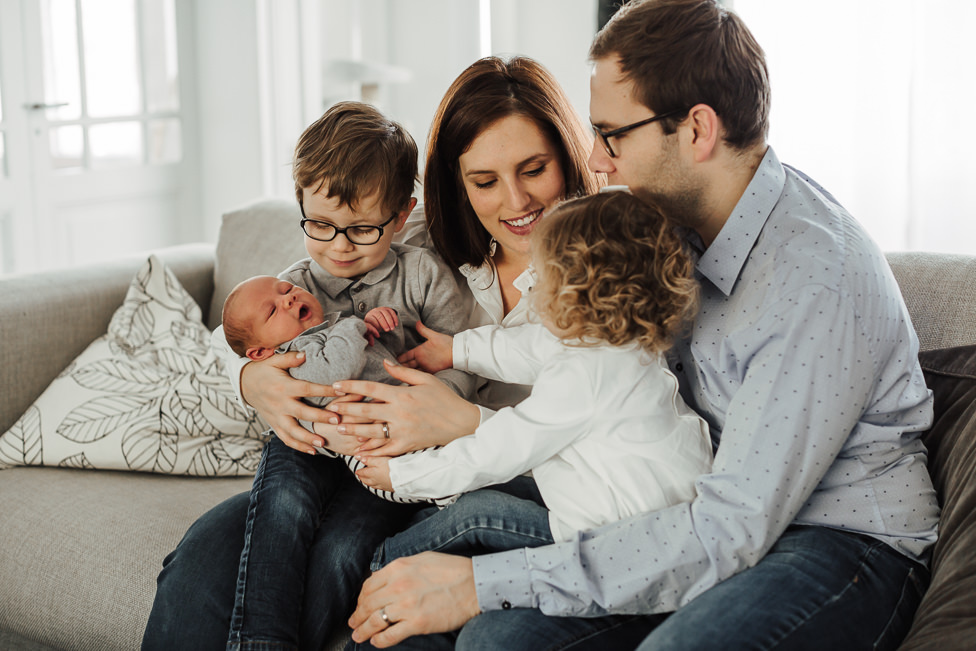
[99,109]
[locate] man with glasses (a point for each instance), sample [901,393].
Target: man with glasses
[814,528]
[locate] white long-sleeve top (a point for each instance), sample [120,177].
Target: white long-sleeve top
[604,431]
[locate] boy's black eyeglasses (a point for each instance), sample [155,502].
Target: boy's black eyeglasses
[606,135]
[364,234]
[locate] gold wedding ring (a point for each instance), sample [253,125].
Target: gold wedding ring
[386,434]
[384,616]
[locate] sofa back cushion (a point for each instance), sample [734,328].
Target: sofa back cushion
[264,237]
[940,291]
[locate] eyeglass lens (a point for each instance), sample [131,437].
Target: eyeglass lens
[326,232]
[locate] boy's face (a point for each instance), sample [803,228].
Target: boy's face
[340,257]
[277,311]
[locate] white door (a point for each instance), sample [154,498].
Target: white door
[94,116]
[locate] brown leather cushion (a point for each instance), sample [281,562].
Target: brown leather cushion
[946,619]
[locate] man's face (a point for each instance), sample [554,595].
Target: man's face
[646,160]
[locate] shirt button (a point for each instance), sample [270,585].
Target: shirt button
[361,307]
[506,605]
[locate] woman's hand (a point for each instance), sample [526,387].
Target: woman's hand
[277,397]
[426,593]
[422,415]
[376,474]
[435,354]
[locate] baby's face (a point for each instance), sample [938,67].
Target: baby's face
[278,311]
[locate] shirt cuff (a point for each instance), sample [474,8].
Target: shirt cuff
[459,351]
[486,413]
[502,580]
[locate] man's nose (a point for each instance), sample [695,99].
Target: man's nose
[599,160]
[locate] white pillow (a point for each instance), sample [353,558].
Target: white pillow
[149,395]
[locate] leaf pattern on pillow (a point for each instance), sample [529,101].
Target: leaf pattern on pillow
[22,444]
[152,443]
[149,395]
[185,408]
[121,376]
[78,461]
[132,325]
[209,388]
[102,416]
[229,455]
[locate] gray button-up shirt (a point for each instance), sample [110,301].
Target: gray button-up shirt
[803,361]
[411,280]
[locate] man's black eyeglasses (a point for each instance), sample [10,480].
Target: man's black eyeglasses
[606,135]
[363,235]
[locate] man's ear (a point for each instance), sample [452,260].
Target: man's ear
[403,214]
[257,353]
[705,131]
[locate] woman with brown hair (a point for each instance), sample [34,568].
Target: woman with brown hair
[505,145]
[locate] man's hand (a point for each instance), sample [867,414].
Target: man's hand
[375,473]
[435,354]
[427,593]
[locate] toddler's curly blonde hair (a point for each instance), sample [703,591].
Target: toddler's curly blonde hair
[611,269]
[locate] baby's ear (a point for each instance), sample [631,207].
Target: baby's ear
[257,353]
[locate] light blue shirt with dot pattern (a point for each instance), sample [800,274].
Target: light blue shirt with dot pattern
[803,361]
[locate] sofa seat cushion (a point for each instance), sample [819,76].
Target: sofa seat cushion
[81,550]
[946,619]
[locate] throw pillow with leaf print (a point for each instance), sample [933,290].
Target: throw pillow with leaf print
[149,395]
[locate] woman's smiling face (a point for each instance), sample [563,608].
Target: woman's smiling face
[512,176]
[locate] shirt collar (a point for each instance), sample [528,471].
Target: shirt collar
[722,262]
[486,272]
[334,286]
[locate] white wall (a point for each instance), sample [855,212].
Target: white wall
[434,40]
[230,145]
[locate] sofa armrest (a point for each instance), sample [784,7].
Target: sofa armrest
[47,319]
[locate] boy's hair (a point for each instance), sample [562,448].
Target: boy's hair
[355,151]
[679,53]
[237,331]
[612,269]
[487,91]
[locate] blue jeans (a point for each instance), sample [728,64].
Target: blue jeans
[817,588]
[508,516]
[195,593]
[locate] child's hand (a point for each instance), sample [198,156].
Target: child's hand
[435,354]
[376,474]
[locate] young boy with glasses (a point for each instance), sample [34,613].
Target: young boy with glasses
[354,173]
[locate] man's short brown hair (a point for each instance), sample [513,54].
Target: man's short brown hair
[355,151]
[679,53]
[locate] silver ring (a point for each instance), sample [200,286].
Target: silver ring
[386,430]
[384,616]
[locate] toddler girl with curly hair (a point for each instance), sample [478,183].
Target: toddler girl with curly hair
[604,432]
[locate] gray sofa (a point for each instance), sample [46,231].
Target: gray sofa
[80,549]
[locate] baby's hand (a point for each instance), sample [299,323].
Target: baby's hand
[376,473]
[380,320]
